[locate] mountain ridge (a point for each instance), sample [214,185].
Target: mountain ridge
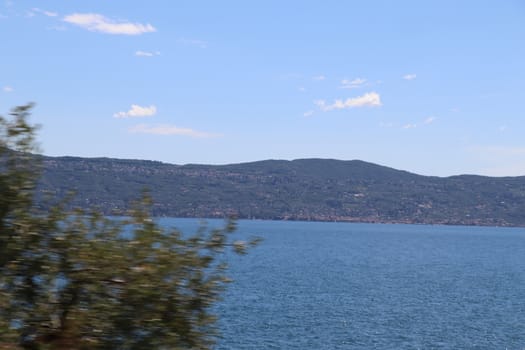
[302,189]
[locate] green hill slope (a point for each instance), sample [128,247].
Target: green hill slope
[305,189]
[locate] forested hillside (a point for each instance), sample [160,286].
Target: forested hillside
[306,189]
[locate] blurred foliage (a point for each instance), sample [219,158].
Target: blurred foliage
[74,279]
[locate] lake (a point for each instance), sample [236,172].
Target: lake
[312,285]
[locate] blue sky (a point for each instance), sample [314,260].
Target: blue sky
[432,87]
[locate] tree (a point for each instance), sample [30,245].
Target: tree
[73,279]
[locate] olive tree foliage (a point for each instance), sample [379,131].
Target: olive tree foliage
[73,279]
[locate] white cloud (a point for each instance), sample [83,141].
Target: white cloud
[193,42]
[168,130]
[302,88]
[427,121]
[44,12]
[50,14]
[319,77]
[98,23]
[430,120]
[308,113]
[352,84]
[503,128]
[386,125]
[137,111]
[371,99]
[8,89]
[409,76]
[146,53]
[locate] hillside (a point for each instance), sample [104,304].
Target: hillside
[306,189]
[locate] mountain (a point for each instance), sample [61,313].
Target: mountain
[304,189]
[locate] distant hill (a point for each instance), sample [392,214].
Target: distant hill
[304,189]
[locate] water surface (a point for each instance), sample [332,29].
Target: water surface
[316,285]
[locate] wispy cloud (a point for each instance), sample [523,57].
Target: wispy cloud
[427,121]
[193,42]
[137,111]
[308,113]
[411,76]
[319,77]
[44,12]
[430,120]
[503,128]
[98,23]
[140,53]
[170,130]
[371,99]
[352,84]
[8,89]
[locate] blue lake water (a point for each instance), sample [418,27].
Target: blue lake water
[312,285]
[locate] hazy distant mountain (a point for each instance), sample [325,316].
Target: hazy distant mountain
[305,189]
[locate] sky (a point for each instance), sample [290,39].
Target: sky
[433,87]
